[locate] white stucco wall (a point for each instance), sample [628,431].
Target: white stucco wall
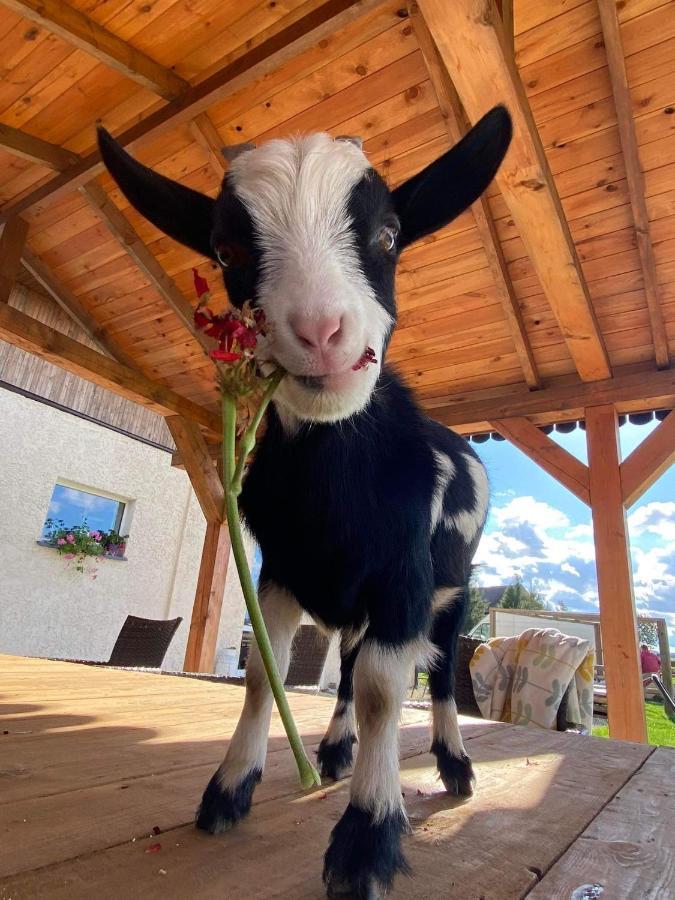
[49,609]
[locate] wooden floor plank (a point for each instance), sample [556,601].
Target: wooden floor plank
[491,846]
[629,849]
[110,754]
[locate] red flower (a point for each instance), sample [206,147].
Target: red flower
[203,318]
[225,355]
[201,284]
[367,358]
[247,339]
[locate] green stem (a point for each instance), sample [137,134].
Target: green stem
[247,442]
[308,774]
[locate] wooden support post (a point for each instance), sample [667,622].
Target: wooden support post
[618,623]
[200,467]
[12,242]
[648,461]
[200,653]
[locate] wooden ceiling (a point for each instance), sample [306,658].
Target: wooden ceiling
[564,274]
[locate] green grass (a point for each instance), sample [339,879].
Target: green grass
[660,730]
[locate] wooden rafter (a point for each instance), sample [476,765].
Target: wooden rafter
[272,53]
[634,175]
[455,123]
[35,150]
[73,308]
[553,458]
[77,29]
[205,133]
[618,623]
[126,234]
[648,461]
[505,8]
[643,388]
[12,243]
[200,467]
[470,41]
[34,337]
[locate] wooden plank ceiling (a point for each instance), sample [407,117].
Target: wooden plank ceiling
[481,310]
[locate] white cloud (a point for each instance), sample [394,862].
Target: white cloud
[532,540]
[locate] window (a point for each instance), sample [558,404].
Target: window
[72,506]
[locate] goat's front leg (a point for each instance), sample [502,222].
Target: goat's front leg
[336,748]
[228,795]
[365,852]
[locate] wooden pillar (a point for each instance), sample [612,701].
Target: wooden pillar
[200,652]
[618,623]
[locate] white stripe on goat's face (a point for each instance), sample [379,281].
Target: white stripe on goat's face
[317,211]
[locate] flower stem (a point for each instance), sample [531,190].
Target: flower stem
[308,774]
[247,442]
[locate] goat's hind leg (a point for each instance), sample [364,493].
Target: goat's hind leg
[228,795]
[336,749]
[454,764]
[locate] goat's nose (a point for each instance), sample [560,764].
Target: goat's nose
[317,334]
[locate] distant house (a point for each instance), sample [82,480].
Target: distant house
[492,596]
[71,449]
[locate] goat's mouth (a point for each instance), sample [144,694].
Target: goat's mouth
[336,380]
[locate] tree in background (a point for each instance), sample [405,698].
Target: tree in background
[475,608]
[517,596]
[647,633]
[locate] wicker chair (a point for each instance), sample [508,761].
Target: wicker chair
[308,657]
[466,702]
[143,642]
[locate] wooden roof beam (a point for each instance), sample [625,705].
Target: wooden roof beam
[200,467]
[73,308]
[206,134]
[12,243]
[636,185]
[648,461]
[553,458]
[126,235]
[28,334]
[456,126]
[319,23]
[470,41]
[77,29]
[646,387]
[35,150]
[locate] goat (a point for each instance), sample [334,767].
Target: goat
[367,513]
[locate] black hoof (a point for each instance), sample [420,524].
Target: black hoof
[221,808]
[364,856]
[335,760]
[456,772]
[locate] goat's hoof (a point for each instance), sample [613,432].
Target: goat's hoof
[221,808]
[364,855]
[335,759]
[456,771]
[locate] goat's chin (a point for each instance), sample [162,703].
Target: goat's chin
[339,396]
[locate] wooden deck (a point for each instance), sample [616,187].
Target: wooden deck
[92,759]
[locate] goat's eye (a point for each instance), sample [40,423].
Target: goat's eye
[224,255]
[387,238]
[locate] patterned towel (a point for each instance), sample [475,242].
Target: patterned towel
[523,679]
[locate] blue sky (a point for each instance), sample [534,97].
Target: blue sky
[540,531]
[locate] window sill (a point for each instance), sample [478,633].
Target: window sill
[105,556]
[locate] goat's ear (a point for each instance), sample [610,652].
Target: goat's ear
[180,212]
[439,193]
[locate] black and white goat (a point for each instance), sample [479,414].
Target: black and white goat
[367,512]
